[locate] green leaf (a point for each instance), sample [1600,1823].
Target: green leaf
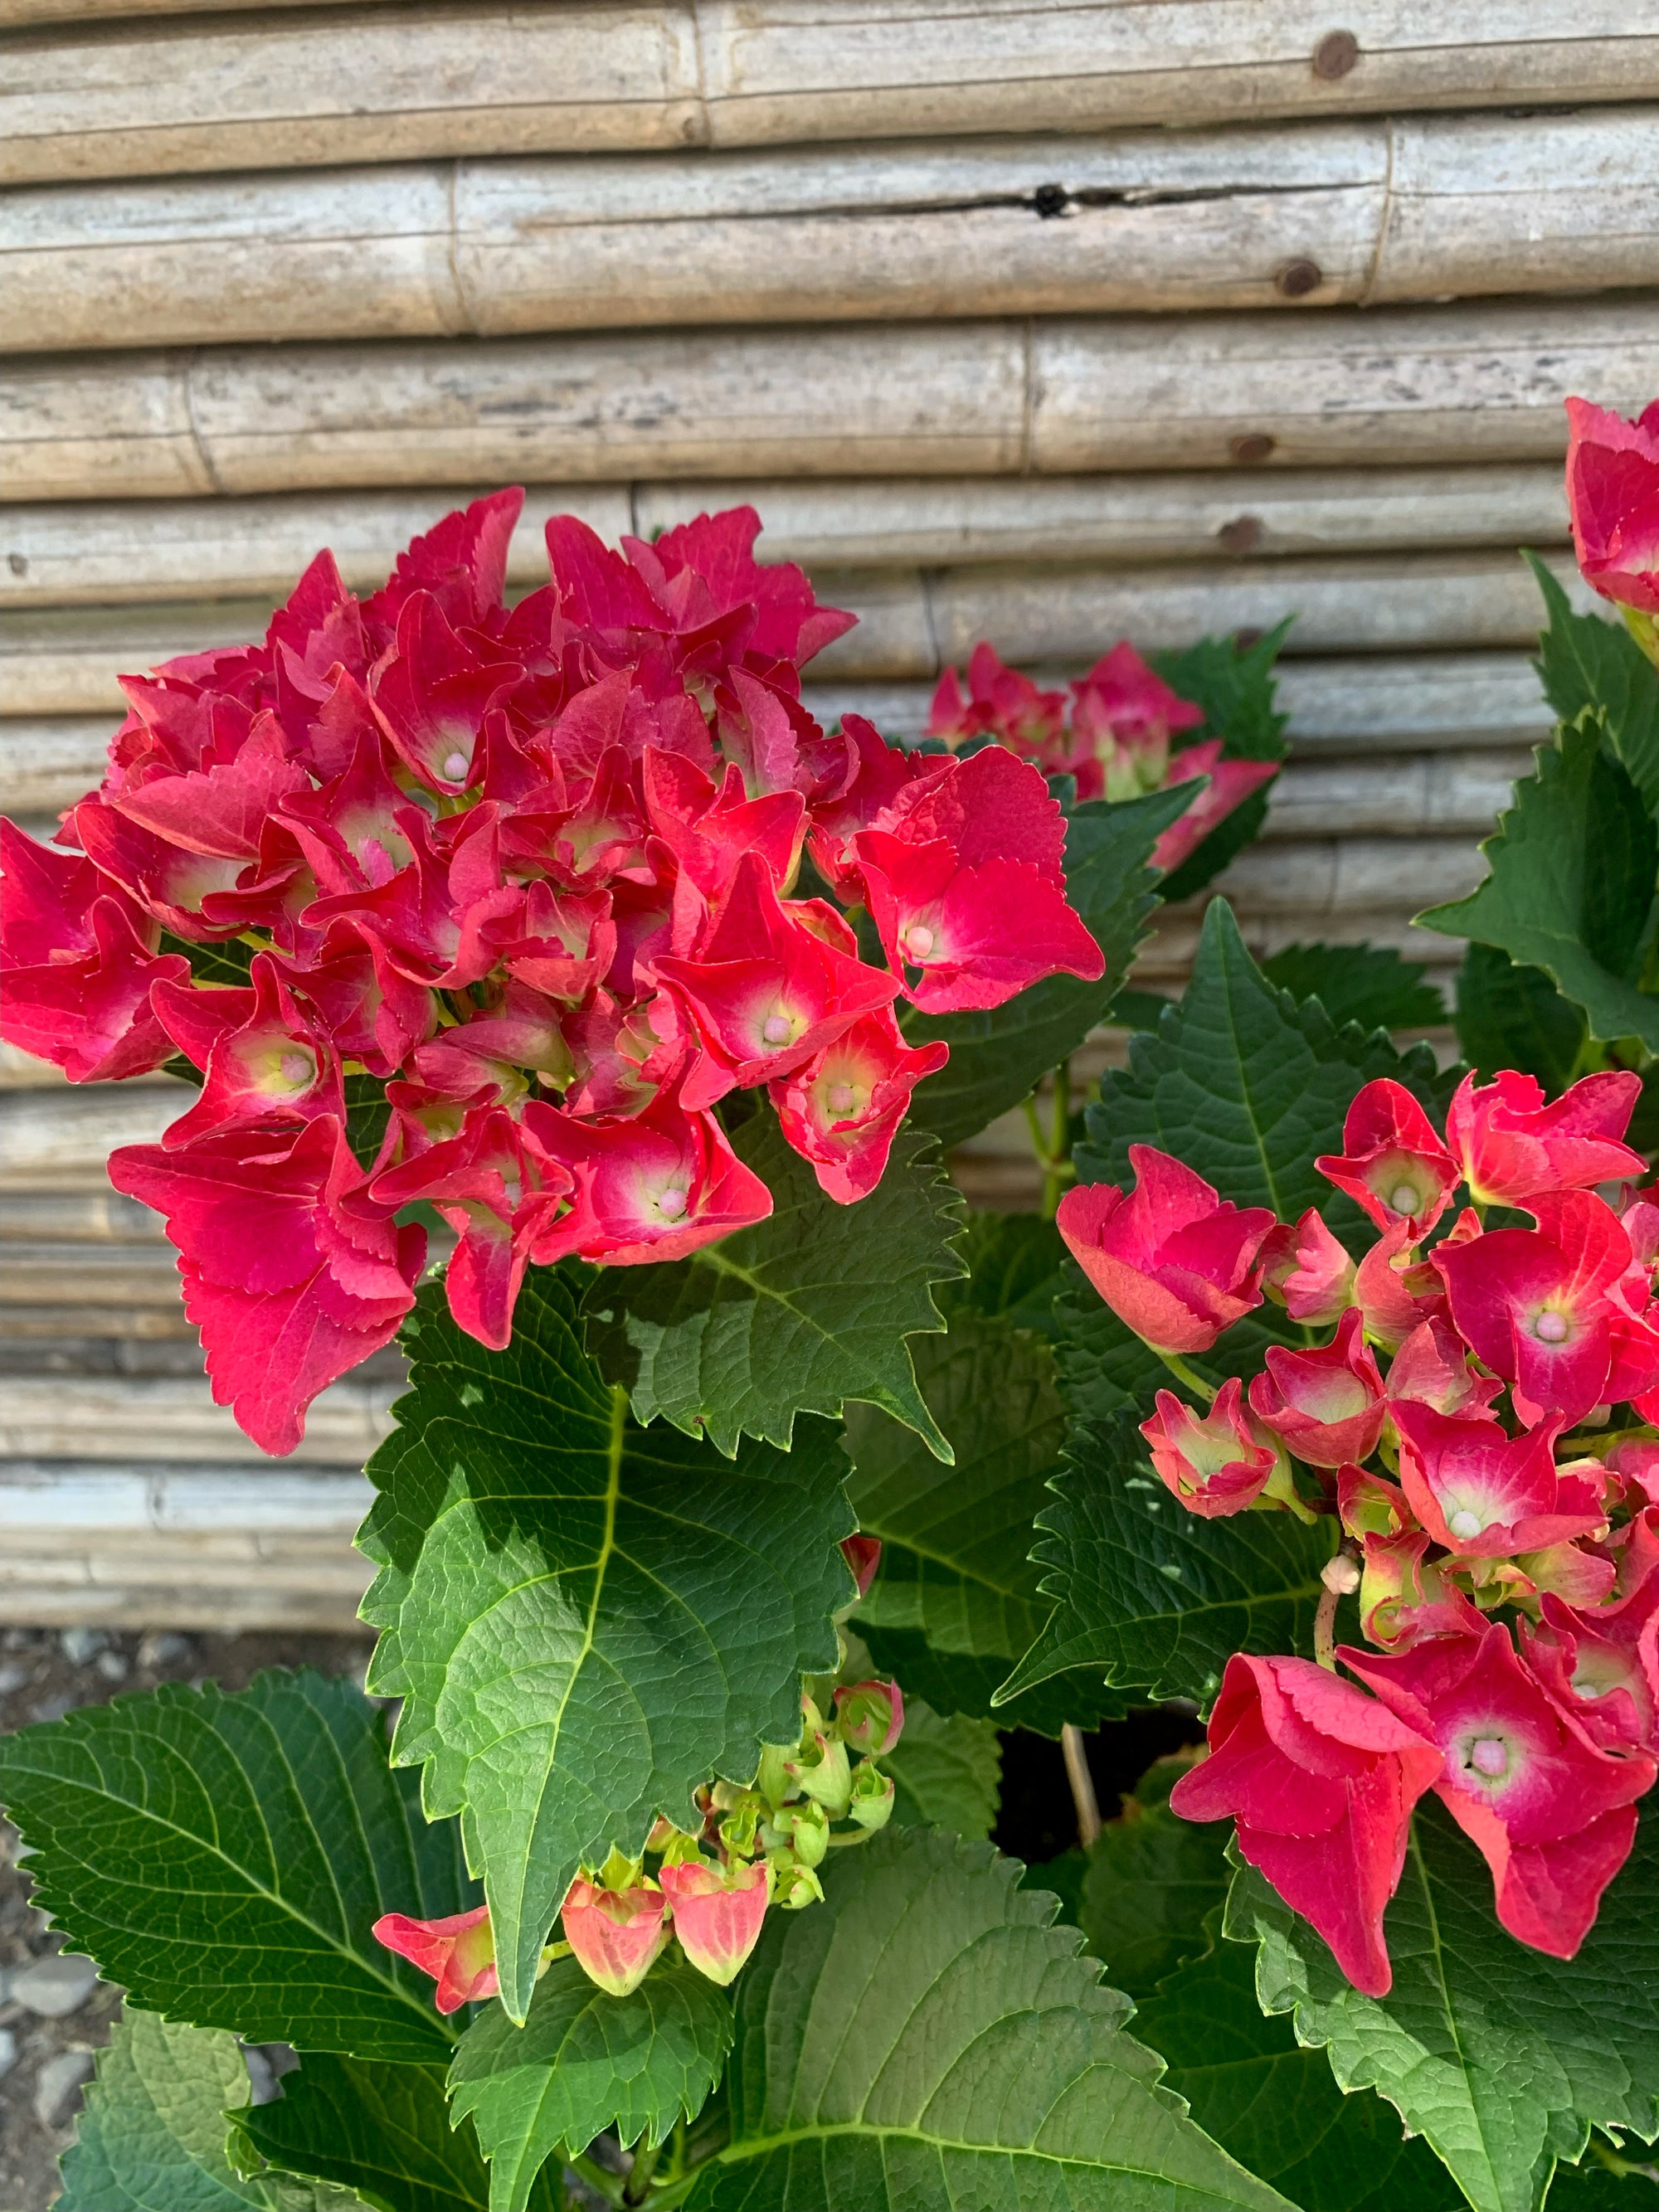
[1571,885]
[1245,1087]
[382,2131]
[1513,1017]
[926,2038]
[1585,661]
[223,1858]
[1275,2106]
[955,1682]
[368,1112]
[1155,1597]
[1370,984]
[1103,1368]
[583,2061]
[1501,2057]
[999,1057]
[152,2136]
[1151,1879]
[946,1771]
[809,1308]
[227,963]
[1016,1264]
[955,1569]
[1234,685]
[584,1618]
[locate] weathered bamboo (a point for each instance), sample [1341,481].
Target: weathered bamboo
[173,1417]
[1398,385]
[293,90]
[77,553]
[29,14]
[48,764]
[58,1140]
[912,623]
[1308,215]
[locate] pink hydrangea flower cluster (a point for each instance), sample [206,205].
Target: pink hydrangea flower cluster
[1112,733]
[1613,493]
[1480,1424]
[535,869]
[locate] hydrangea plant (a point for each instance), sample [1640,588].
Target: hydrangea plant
[746,1486]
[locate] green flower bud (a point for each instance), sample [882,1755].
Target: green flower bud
[824,1774]
[872,1801]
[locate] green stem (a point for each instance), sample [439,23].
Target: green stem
[1324,1630]
[638,2184]
[1178,1367]
[608,2185]
[1059,1141]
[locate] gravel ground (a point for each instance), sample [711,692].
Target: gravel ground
[54,2013]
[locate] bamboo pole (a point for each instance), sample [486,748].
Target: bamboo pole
[1303,215]
[1405,386]
[293,89]
[79,553]
[66,661]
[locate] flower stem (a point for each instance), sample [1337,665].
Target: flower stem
[1075,1754]
[1178,1367]
[1325,1629]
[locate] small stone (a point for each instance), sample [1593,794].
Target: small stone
[19,1639]
[112,1666]
[80,1646]
[8,2052]
[13,1675]
[261,2074]
[60,1983]
[165,1647]
[58,2088]
[46,1710]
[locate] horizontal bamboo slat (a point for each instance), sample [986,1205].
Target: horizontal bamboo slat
[171,1418]
[65,661]
[76,553]
[291,89]
[1301,214]
[1411,387]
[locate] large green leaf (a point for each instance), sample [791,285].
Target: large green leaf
[1245,1085]
[1500,2057]
[1103,1368]
[947,1771]
[1233,682]
[583,2061]
[225,1858]
[1514,1017]
[806,1310]
[956,1540]
[382,2131]
[1273,2105]
[1370,984]
[152,2137]
[1584,660]
[926,2038]
[999,1057]
[1017,1264]
[1571,885]
[957,1683]
[584,1617]
[1150,1878]
[1155,1597]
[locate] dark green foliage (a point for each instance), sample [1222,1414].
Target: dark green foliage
[1234,684]
[1370,984]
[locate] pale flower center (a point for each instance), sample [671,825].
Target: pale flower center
[297,1068]
[671,1204]
[455,766]
[1551,1327]
[1403,1197]
[776,1029]
[839,1098]
[1490,1755]
[919,940]
[1464,1524]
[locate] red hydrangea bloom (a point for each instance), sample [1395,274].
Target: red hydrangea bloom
[1545,1310]
[1405,1596]
[1484,1494]
[290,1271]
[1173,1260]
[1612,494]
[1431,1368]
[1602,1663]
[1308,1270]
[458,1952]
[1213,1462]
[616,1936]
[842,1110]
[863,1556]
[1227,784]
[80,959]
[1000,703]
[718,1912]
[1321,1780]
[1123,717]
[265,1057]
[1392,1163]
[1552,1814]
[1512,1147]
[1325,1406]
